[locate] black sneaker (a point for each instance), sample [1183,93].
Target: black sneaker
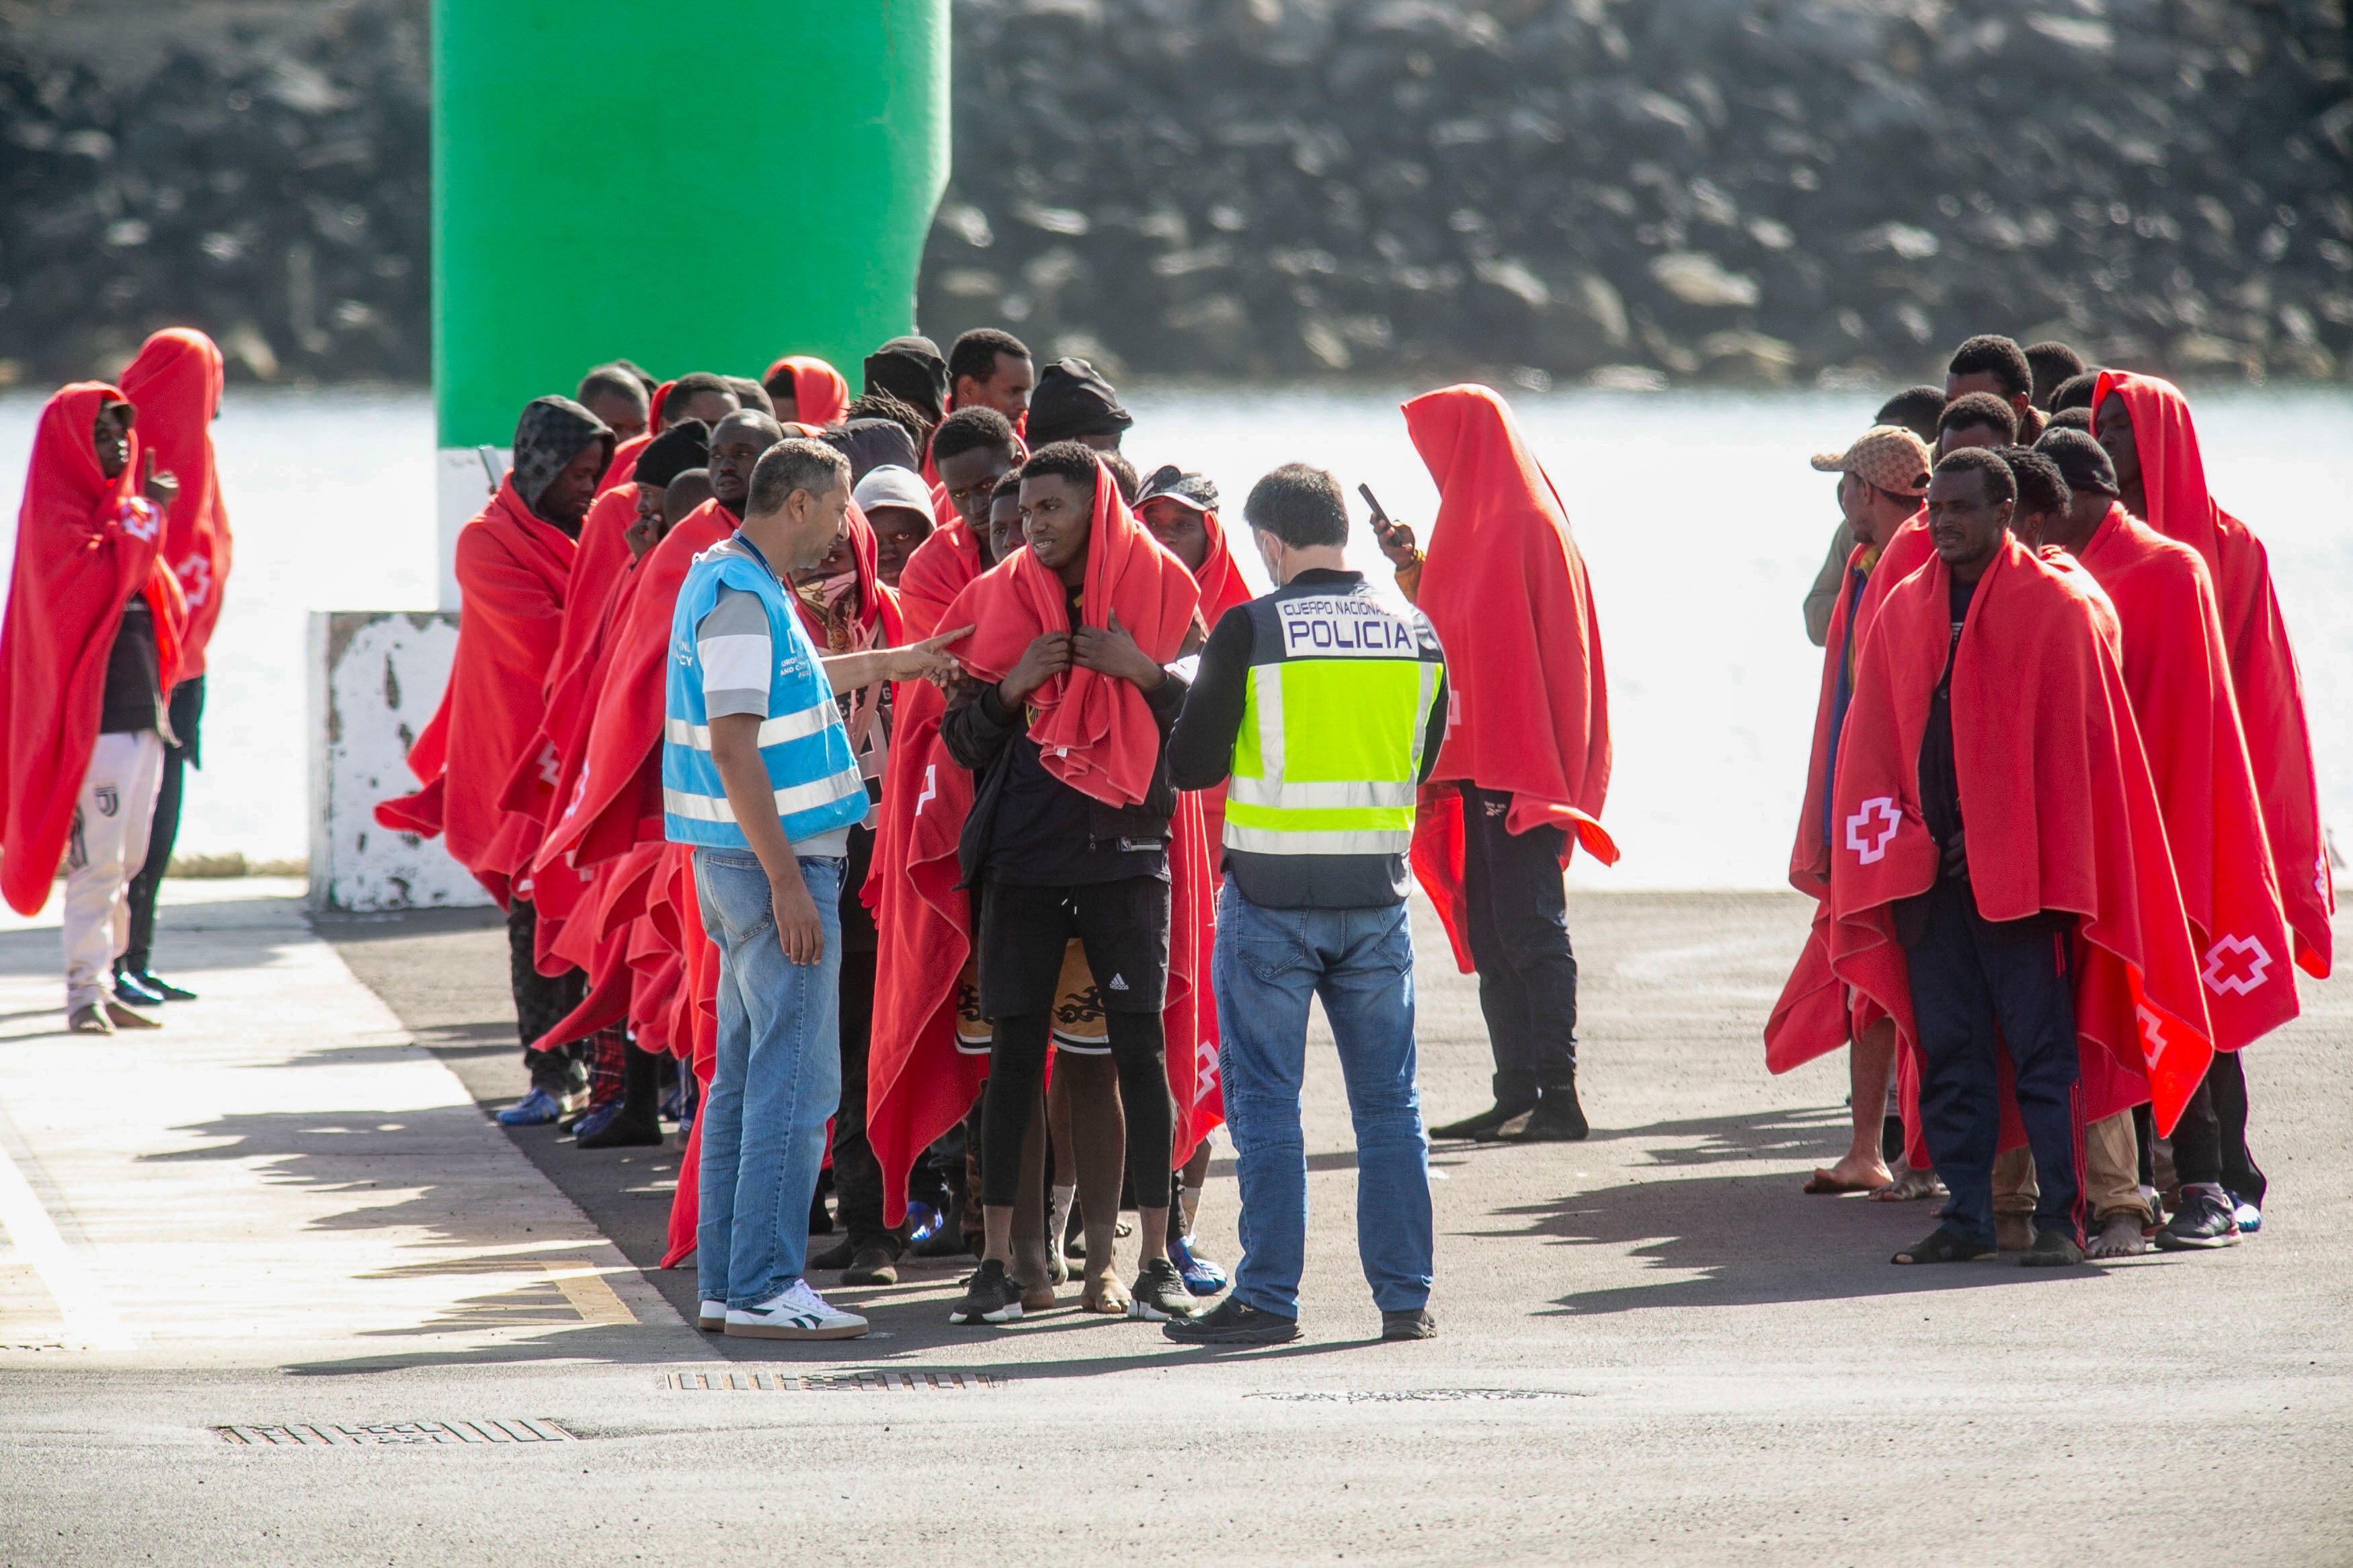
[992,1296]
[1233,1323]
[872,1266]
[1558,1118]
[1159,1296]
[2203,1220]
[2051,1250]
[841,1254]
[1413,1323]
[1488,1123]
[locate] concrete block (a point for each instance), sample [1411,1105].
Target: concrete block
[375,679]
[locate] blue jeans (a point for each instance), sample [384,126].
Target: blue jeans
[1360,962]
[775,1084]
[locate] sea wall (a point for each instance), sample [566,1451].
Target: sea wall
[1641,190]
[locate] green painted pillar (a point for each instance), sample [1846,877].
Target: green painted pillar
[693,188]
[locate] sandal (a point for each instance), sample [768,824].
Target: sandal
[1822,1182]
[1942,1245]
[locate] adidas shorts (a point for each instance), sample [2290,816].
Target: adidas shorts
[1120,929]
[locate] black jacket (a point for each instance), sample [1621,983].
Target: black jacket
[978,733]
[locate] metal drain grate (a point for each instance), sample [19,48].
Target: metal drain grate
[1416,1396]
[733,1382]
[322,1434]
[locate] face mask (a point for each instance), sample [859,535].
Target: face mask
[1270,554]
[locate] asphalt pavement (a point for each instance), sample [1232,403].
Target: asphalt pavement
[277,1289]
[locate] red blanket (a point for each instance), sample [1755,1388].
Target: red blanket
[612,785]
[85,543]
[918,1084]
[940,569]
[513,569]
[1812,1018]
[2263,674]
[819,392]
[1094,733]
[2179,682]
[176,383]
[1506,590]
[2056,794]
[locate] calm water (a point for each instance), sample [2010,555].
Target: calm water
[1700,522]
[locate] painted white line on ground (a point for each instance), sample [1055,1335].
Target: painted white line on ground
[89,1317]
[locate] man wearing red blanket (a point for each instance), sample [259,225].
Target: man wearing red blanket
[1526,762]
[1989,689]
[2179,679]
[87,656]
[514,565]
[1070,832]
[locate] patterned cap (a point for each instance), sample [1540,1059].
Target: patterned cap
[1887,455]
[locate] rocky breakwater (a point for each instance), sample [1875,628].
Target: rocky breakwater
[260,170]
[1642,191]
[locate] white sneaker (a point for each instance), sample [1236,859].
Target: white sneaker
[796,1313]
[712,1317]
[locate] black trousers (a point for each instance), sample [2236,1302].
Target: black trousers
[2210,1141]
[187,712]
[541,1001]
[1974,994]
[856,1174]
[1519,942]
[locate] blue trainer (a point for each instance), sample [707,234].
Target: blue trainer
[533,1109]
[1201,1277]
[599,1117]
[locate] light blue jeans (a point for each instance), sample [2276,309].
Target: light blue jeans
[775,1084]
[1360,962]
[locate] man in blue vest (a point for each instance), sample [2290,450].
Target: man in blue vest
[757,775]
[1325,706]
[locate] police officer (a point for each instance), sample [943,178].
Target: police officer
[1325,706]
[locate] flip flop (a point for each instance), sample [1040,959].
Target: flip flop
[1822,1183]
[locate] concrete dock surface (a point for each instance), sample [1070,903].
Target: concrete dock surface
[276,1287]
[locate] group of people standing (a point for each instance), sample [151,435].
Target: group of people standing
[906,794]
[931,786]
[122,561]
[2060,822]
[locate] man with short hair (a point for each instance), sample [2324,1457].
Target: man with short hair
[1976,419]
[990,369]
[769,820]
[699,396]
[897,508]
[2053,362]
[2075,392]
[1881,476]
[973,449]
[1073,401]
[1325,709]
[616,397]
[1990,676]
[1073,841]
[1998,367]
[738,443]
[750,393]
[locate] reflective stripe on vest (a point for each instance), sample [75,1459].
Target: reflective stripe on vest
[1331,743]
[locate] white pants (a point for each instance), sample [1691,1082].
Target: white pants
[108,844]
